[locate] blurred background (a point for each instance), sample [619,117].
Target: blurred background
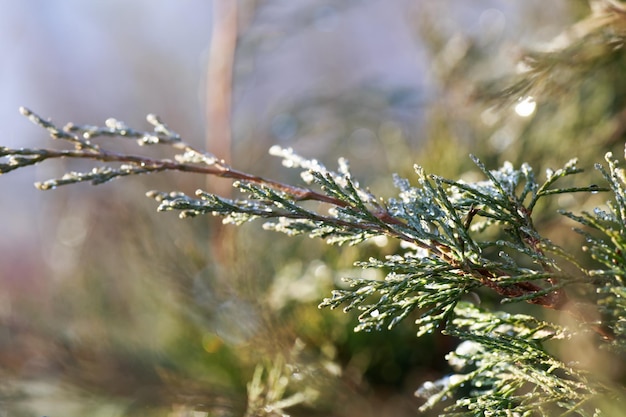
[109,308]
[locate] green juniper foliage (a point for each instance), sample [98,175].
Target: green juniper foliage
[460,240]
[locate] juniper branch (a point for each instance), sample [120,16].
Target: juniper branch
[447,257]
[187,162]
[436,218]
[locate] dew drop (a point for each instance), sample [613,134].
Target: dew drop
[526,106]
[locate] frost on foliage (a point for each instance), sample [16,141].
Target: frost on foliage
[605,240]
[413,282]
[503,361]
[460,239]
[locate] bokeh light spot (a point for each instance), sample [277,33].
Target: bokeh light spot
[526,107]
